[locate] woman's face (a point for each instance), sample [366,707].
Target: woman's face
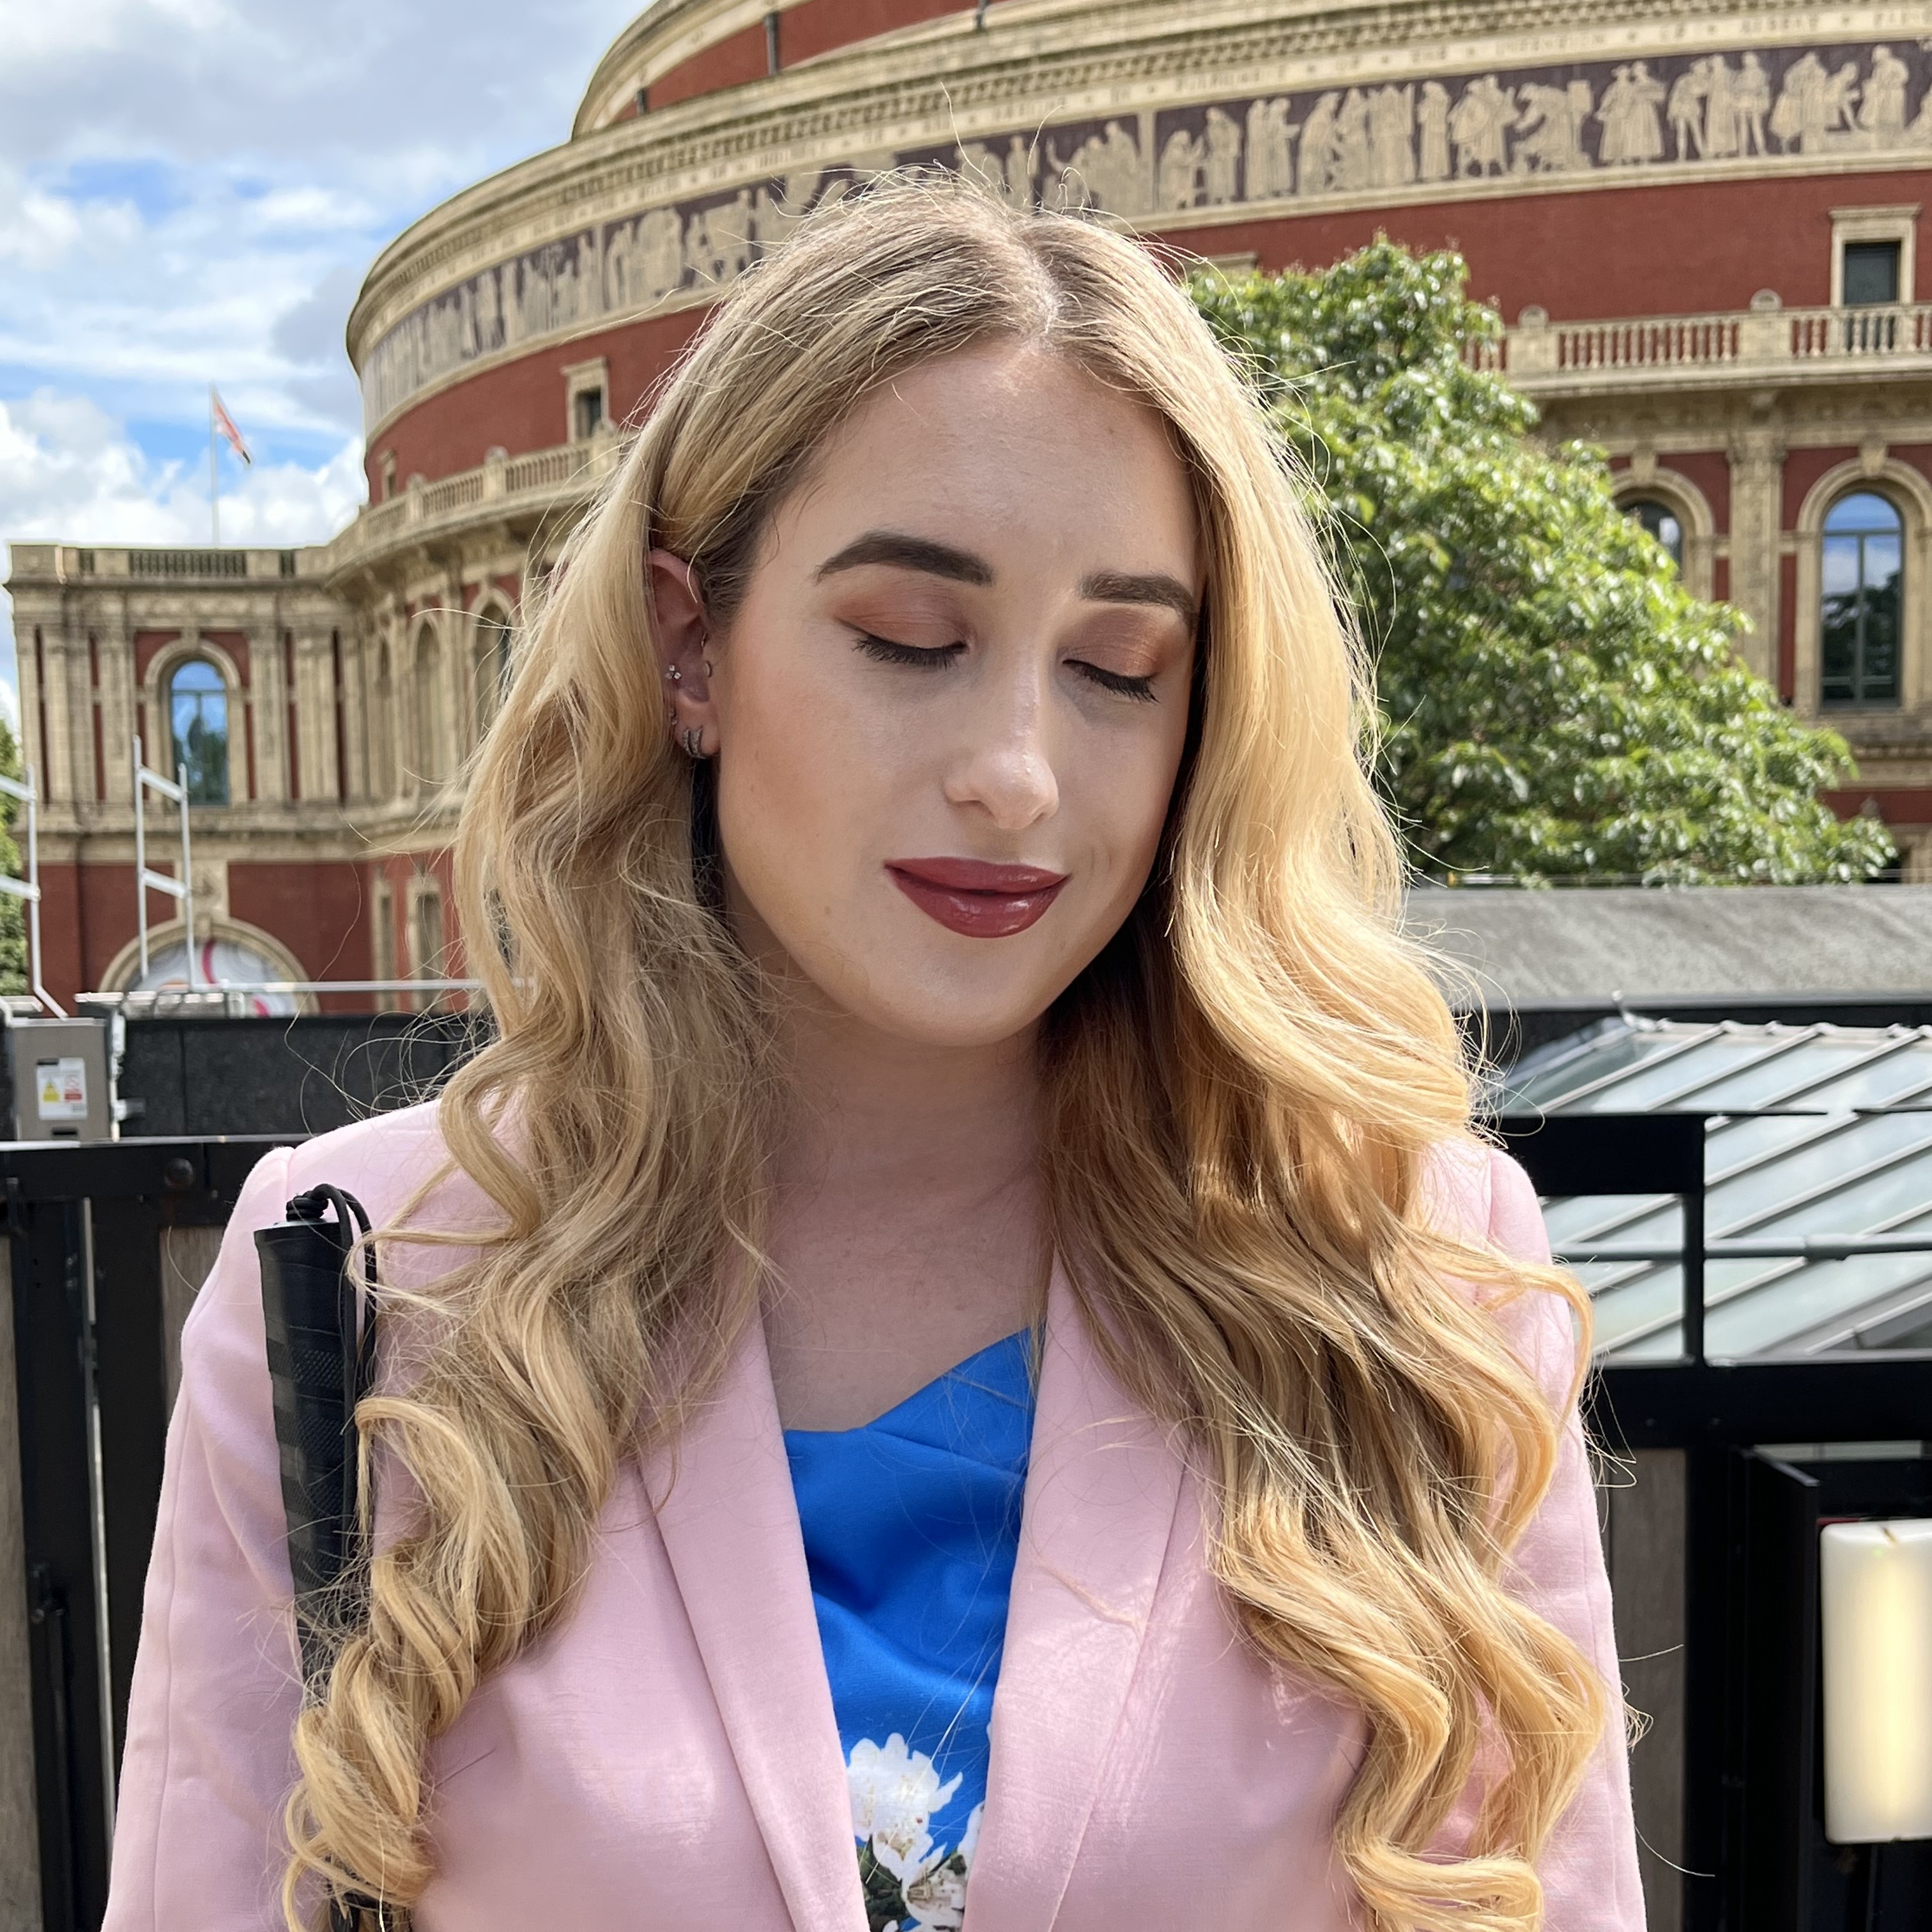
[949,712]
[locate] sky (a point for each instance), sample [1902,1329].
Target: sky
[190,191]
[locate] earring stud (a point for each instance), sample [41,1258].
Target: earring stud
[673,676]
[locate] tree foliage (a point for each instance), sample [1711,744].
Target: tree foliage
[13,924]
[1554,704]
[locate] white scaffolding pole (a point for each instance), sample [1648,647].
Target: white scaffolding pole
[181,889]
[29,889]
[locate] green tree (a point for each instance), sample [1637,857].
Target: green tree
[1554,704]
[13,922]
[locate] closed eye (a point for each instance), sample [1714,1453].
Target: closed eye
[1140,688]
[921,657]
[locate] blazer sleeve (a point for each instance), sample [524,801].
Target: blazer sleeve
[208,1762]
[1589,1867]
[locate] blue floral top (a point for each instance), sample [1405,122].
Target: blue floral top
[911,1526]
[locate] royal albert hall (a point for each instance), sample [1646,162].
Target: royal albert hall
[1700,226]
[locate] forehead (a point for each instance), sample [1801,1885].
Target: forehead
[1006,448]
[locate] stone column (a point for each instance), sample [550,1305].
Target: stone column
[117,697]
[268,691]
[1757,477]
[315,714]
[60,782]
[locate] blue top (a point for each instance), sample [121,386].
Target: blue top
[911,1526]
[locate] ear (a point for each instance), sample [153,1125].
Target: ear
[682,636]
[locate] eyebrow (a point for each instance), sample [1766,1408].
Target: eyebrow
[905,552]
[908,553]
[1156,587]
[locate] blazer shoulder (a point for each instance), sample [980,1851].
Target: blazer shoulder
[381,1160]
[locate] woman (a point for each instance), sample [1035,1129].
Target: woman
[957,1345]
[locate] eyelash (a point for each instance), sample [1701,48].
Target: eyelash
[884,650]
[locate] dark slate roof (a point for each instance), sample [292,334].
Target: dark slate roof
[1510,948]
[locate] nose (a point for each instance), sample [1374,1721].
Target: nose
[1005,767]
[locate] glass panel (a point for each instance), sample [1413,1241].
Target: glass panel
[198,722]
[1661,522]
[1547,1088]
[1863,510]
[1702,1066]
[1760,1086]
[1871,272]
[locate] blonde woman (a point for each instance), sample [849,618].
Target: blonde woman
[957,1358]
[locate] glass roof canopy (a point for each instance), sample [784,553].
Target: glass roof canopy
[1826,1140]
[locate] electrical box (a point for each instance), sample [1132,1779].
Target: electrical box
[59,1070]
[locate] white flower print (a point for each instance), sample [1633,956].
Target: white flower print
[895,1792]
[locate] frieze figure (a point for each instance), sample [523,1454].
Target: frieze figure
[1478,125]
[1632,132]
[1320,149]
[1549,130]
[1104,171]
[1881,108]
[1354,169]
[1750,103]
[1223,164]
[1684,110]
[1392,136]
[1180,167]
[1270,165]
[1433,115]
[1020,170]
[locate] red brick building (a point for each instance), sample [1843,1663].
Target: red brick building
[1702,230]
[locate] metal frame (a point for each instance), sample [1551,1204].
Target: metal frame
[1753,1849]
[29,889]
[181,889]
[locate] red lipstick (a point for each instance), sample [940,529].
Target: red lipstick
[971,896]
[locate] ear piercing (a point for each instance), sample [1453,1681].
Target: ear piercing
[693,743]
[674,676]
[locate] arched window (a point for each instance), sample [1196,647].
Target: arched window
[1864,571]
[1663,523]
[198,723]
[429,707]
[490,666]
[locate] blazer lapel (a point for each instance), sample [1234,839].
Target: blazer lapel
[1102,1486]
[730,1524]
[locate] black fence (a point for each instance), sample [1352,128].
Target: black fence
[108,1242]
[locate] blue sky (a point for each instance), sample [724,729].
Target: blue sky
[189,192]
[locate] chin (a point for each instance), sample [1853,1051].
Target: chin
[946,1012]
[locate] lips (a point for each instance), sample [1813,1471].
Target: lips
[975,898]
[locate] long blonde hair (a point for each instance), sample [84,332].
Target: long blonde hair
[1243,1094]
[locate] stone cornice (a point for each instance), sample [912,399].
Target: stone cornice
[935,84]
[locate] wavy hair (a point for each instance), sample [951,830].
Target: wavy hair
[1244,1094]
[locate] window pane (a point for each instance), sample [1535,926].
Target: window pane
[1862,556]
[198,722]
[1661,522]
[1862,511]
[1871,272]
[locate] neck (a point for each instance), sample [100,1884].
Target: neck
[875,1119]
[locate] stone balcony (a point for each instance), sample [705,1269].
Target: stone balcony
[108,567]
[507,487]
[1767,345]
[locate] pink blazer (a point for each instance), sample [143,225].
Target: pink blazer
[667,1757]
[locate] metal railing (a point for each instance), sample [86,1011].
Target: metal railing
[28,890]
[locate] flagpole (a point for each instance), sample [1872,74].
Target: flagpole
[213,475]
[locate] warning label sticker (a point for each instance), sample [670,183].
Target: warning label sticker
[63,1089]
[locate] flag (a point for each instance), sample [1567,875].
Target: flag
[224,424]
